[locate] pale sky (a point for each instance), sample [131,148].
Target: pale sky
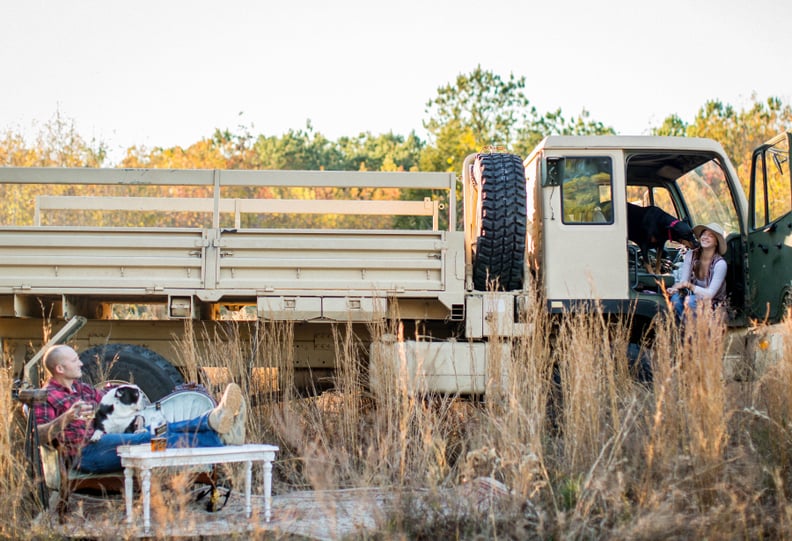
[166,73]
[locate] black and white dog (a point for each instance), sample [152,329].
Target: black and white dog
[650,227]
[119,411]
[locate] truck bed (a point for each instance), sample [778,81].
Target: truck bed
[223,261]
[232,263]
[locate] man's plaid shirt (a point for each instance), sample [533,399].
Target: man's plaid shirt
[59,399]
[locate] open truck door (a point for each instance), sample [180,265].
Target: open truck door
[770,230]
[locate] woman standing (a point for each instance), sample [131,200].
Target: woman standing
[703,274]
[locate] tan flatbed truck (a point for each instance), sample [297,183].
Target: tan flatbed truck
[83,245]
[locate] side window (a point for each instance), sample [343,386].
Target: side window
[708,197]
[657,196]
[587,190]
[639,195]
[777,186]
[662,198]
[760,218]
[771,188]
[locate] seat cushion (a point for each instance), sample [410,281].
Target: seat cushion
[183,405]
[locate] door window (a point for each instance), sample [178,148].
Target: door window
[708,196]
[772,190]
[587,190]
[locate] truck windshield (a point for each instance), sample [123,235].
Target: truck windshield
[708,196]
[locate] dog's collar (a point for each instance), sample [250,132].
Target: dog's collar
[672,224]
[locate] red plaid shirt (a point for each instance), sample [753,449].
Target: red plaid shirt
[59,399]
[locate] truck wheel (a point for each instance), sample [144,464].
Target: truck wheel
[135,364]
[786,306]
[500,247]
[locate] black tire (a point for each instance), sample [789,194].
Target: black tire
[786,306]
[135,364]
[500,248]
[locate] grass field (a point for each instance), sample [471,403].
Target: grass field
[602,456]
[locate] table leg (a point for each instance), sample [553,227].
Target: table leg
[145,477]
[248,483]
[267,489]
[128,494]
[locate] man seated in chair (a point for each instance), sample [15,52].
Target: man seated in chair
[59,420]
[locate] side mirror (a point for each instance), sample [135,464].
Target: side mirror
[552,172]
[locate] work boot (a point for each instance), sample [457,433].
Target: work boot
[222,417]
[236,435]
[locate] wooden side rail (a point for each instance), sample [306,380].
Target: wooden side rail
[427,207]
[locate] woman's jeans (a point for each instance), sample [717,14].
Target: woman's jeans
[101,456]
[680,301]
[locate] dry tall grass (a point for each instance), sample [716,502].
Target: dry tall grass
[584,449]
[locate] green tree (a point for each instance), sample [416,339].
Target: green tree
[385,152]
[237,148]
[477,110]
[555,123]
[298,150]
[672,126]
[452,142]
[482,109]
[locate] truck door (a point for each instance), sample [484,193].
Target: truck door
[770,230]
[585,229]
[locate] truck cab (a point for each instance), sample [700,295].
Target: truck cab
[578,247]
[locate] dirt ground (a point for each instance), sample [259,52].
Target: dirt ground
[311,515]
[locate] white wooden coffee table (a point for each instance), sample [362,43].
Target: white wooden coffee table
[143,459]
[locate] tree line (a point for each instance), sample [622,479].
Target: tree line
[474,111]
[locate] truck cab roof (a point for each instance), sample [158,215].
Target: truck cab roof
[629,142]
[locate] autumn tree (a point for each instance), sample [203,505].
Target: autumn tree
[738,131]
[204,154]
[57,143]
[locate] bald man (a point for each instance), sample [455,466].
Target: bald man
[61,419]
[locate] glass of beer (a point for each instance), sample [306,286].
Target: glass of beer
[158,443]
[87,411]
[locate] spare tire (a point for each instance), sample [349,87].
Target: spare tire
[500,248]
[135,364]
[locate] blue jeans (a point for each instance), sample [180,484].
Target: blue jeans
[679,301]
[101,456]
